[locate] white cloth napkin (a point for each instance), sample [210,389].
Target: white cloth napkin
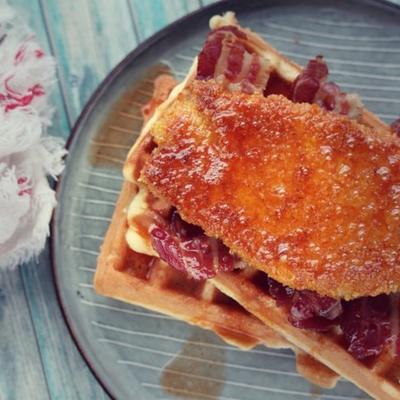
[27,153]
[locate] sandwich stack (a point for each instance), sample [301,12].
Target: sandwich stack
[219,222]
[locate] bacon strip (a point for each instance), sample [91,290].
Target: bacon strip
[311,87]
[395,127]
[308,82]
[209,55]
[226,57]
[186,248]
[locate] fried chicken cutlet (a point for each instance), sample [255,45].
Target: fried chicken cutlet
[308,196]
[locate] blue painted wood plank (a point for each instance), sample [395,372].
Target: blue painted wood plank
[60,357]
[21,375]
[66,371]
[88,37]
[151,16]
[29,11]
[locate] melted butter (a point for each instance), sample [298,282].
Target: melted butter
[144,210]
[137,236]
[139,244]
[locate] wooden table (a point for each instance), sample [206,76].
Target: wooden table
[38,359]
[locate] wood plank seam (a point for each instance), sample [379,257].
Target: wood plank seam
[60,80]
[134,27]
[46,382]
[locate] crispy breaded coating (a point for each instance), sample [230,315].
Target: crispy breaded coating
[308,196]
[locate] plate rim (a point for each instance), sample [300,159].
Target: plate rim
[214,8]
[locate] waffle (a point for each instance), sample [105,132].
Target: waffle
[148,282]
[379,378]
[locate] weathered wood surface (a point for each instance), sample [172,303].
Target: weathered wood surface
[38,359]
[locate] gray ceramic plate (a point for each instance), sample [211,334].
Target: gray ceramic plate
[142,355]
